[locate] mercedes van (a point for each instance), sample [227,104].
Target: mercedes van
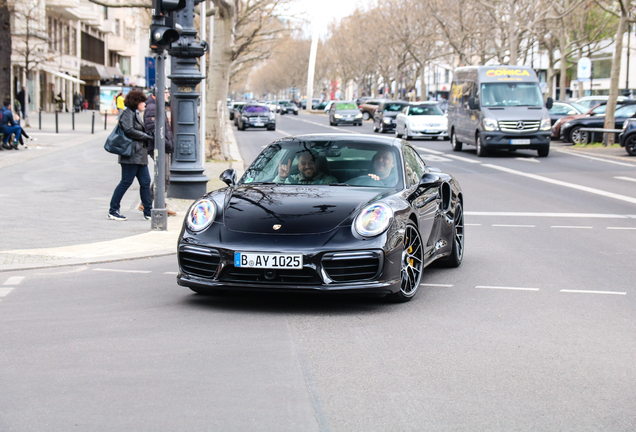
[498,107]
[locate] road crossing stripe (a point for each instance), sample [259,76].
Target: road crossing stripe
[621,228]
[565,184]
[513,226]
[572,226]
[14,280]
[428,150]
[171,273]
[122,271]
[464,159]
[506,288]
[5,291]
[565,215]
[528,159]
[626,178]
[436,285]
[593,292]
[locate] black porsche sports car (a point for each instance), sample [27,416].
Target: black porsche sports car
[330,212]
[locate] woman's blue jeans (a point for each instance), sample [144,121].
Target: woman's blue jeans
[128,174]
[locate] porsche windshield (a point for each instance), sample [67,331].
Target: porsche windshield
[510,94]
[328,163]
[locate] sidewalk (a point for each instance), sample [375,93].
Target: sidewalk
[148,244]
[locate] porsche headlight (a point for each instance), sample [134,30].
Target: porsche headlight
[546,124]
[490,124]
[373,220]
[337,115]
[201,215]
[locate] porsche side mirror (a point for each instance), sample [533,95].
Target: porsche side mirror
[228,177]
[549,102]
[471,103]
[429,180]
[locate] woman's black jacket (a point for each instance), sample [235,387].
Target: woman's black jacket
[130,121]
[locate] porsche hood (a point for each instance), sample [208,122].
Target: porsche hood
[299,209]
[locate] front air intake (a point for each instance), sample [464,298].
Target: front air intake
[352,266]
[199,261]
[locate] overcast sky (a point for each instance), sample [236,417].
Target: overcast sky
[322,12]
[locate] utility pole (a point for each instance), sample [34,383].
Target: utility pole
[186,171]
[629,29]
[163,32]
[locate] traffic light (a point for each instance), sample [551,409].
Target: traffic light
[163,30]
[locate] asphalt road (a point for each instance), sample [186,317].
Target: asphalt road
[534,331]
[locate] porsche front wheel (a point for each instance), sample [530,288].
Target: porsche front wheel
[411,265]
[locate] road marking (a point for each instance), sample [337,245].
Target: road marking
[472,224]
[171,273]
[597,158]
[621,228]
[437,285]
[324,125]
[594,292]
[427,150]
[281,131]
[122,271]
[461,158]
[513,226]
[565,215]
[14,280]
[565,184]
[571,226]
[506,288]
[435,158]
[626,178]
[528,159]
[5,291]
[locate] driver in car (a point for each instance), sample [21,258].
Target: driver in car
[383,163]
[308,172]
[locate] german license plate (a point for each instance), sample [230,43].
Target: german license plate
[259,124]
[520,141]
[270,261]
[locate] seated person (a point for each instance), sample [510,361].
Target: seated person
[382,166]
[9,126]
[308,172]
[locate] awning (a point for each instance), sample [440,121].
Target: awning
[65,76]
[94,73]
[114,72]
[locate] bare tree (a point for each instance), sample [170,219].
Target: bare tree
[5,52]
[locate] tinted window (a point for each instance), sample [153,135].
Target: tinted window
[425,110]
[413,165]
[511,94]
[393,107]
[255,109]
[626,111]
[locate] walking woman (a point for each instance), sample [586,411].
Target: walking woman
[135,165]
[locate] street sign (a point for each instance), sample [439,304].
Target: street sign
[584,69]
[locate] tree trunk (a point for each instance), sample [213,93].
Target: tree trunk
[550,75]
[5,52]
[218,81]
[564,63]
[616,70]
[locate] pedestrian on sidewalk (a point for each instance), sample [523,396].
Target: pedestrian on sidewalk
[8,126]
[85,105]
[121,105]
[135,165]
[22,99]
[149,121]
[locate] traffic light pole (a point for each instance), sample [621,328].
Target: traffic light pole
[159,214]
[187,180]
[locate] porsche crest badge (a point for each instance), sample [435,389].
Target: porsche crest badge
[276,227]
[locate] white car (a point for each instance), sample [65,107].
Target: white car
[423,120]
[591,101]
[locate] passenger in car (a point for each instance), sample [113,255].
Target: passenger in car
[308,171]
[382,166]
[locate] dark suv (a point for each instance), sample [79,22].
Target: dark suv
[384,116]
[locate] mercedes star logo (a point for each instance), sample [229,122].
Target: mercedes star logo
[276,227]
[519,125]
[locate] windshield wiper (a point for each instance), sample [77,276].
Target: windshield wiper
[339,184]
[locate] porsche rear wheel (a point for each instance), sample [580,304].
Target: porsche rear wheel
[412,264]
[457,251]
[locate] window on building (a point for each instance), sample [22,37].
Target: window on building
[67,40]
[117,27]
[124,65]
[129,34]
[74,42]
[602,68]
[105,12]
[50,33]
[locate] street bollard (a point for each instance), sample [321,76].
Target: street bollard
[93,123]
[73,118]
[105,119]
[40,119]
[56,124]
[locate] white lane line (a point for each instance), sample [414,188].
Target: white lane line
[281,131]
[436,285]
[427,150]
[506,288]
[464,159]
[122,271]
[597,158]
[436,158]
[472,224]
[557,215]
[565,184]
[631,179]
[528,159]
[571,227]
[513,226]
[621,228]
[5,291]
[325,126]
[14,280]
[171,273]
[594,292]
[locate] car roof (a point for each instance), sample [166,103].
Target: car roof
[363,138]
